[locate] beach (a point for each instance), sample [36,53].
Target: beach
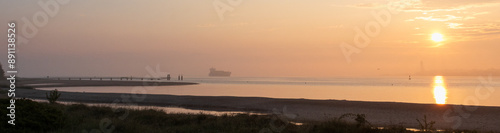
[380,114]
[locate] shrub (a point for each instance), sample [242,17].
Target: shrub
[53,96]
[32,116]
[359,118]
[426,126]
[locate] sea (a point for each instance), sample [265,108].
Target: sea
[458,90]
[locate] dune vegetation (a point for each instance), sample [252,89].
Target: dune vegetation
[34,116]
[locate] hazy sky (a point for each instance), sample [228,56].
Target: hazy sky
[257,38]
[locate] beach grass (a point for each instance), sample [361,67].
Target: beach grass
[34,116]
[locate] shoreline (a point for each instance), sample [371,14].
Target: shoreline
[484,118]
[380,114]
[44,83]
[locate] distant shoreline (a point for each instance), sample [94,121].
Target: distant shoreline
[44,83]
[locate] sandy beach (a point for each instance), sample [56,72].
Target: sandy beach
[481,118]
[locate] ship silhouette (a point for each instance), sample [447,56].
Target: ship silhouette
[215,73]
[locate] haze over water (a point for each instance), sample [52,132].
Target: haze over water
[259,38]
[420,89]
[433,52]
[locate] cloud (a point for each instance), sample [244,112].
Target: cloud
[482,29]
[466,15]
[429,5]
[475,31]
[454,25]
[449,5]
[440,18]
[480,13]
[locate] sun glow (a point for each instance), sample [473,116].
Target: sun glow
[437,37]
[439,90]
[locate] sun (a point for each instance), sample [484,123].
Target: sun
[437,37]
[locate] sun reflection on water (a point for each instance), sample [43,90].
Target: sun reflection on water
[439,90]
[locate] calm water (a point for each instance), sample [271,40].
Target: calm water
[165,109]
[424,89]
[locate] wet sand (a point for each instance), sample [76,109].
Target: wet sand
[381,114]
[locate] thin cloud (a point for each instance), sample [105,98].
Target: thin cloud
[440,18]
[449,5]
[481,13]
[454,25]
[484,31]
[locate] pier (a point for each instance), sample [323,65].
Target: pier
[108,78]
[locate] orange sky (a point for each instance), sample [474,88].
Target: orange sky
[257,38]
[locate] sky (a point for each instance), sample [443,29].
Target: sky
[251,38]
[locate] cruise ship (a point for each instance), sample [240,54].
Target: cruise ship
[216,73]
